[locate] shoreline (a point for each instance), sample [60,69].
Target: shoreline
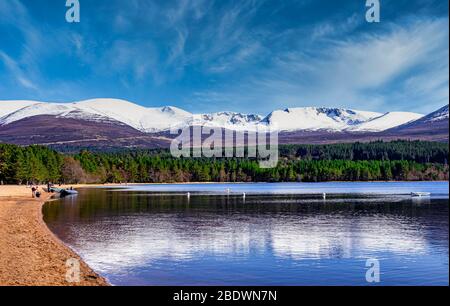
[30,254]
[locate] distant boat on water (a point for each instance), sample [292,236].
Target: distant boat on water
[420,194]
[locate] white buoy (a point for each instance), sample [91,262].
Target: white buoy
[324,196]
[188,195]
[244,195]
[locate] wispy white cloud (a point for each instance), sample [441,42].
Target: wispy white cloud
[135,60]
[366,71]
[328,29]
[14,14]
[38,42]
[18,73]
[235,60]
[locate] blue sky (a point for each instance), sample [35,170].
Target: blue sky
[250,56]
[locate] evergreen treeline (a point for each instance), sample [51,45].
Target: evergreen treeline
[400,160]
[29,164]
[418,151]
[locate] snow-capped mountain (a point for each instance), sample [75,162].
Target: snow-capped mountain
[47,109]
[109,123]
[148,120]
[314,119]
[431,121]
[439,115]
[141,118]
[8,107]
[153,120]
[386,121]
[227,120]
[433,126]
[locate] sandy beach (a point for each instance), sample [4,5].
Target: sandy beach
[30,255]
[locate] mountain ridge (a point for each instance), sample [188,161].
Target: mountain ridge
[160,119]
[434,126]
[72,129]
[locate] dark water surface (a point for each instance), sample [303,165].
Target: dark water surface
[156,235]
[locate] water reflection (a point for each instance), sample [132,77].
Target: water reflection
[138,238]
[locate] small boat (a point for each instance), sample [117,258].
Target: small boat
[420,194]
[64,192]
[54,189]
[69,191]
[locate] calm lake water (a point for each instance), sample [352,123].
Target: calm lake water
[278,234]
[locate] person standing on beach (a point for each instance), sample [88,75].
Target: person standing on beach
[33,191]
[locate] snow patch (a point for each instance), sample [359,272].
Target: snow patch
[314,119]
[386,121]
[8,107]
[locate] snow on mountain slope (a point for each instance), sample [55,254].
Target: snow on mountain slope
[141,118]
[37,109]
[314,119]
[50,109]
[151,120]
[227,120]
[386,121]
[439,115]
[144,119]
[8,107]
